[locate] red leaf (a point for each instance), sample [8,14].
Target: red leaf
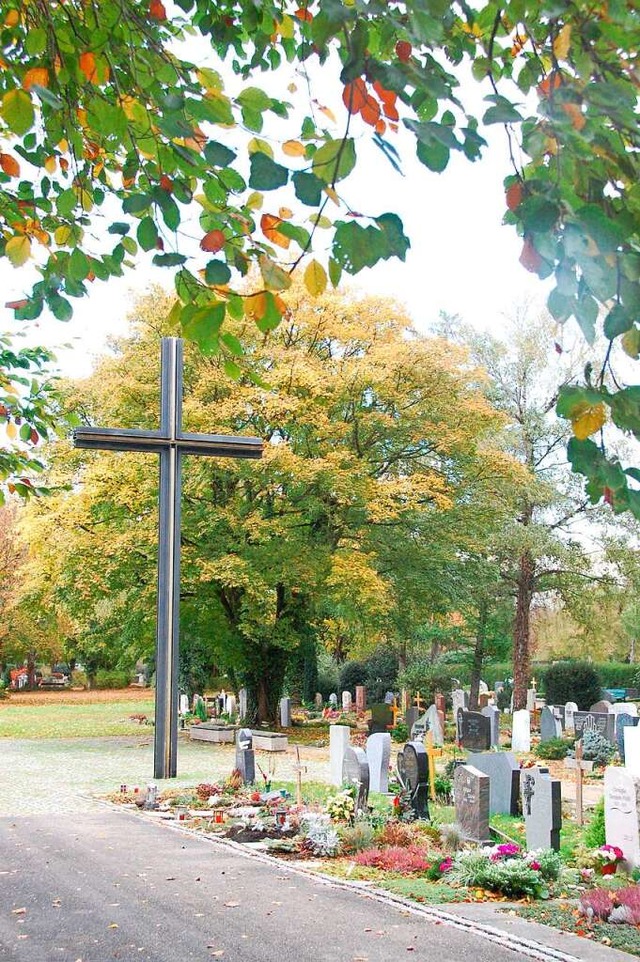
[16,305]
[303,14]
[371,112]
[530,258]
[514,195]
[213,242]
[166,183]
[403,50]
[157,10]
[354,96]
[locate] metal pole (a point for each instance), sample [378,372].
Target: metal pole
[168,626]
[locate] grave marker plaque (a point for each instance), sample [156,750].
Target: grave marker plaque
[585,721]
[541,808]
[471,793]
[361,698]
[474,730]
[379,754]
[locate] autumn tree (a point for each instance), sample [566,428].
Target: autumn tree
[375,437]
[115,143]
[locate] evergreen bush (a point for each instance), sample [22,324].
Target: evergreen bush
[554,748]
[112,678]
[577,681]
[427,677]
[381,674]
[353,673]
[596,748]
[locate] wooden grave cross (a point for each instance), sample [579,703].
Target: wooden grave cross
[299,769]
[171,443]
[580,766]
[395,710]
[432,754]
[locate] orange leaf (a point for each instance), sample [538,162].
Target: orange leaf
[370,113]
[9,165]
[550,83]
[354,96]
[303,14]
[386,96]
[12,19]
[255,306]
[285,213]
[37,75]
[390,111]
[578,119]
[293,148]
[380,127]
[157,10]
[530,258]
[269,224]
[16,305]
[213,242]
[166,183]
[87,64]
[514,195]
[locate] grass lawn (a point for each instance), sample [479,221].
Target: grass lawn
[61,715]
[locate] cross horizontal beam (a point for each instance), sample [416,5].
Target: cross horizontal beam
[207,445]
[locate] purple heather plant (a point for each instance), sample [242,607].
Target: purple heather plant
[596,904]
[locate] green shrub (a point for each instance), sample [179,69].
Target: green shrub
[427,677]
[400,733]
[511,877]
[503,698]
[554,748]
[596,748]
[381,674]
[355,838]
[550,863]
[594,835]
[618,674]
[353,673]
[576,681]
[112,678]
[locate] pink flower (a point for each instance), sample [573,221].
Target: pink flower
[535,866]
[445,866]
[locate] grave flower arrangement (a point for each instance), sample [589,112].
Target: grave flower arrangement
[341,807]
[507,870]
[607,858]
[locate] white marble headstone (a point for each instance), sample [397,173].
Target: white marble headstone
[231,705]
[483,688]
[531,699]
[379,755]
[346,701]
[569,710]
[621,805]
[521,731]
[338,744]
[184,704]
[434,725]
[242,702]
[624,708]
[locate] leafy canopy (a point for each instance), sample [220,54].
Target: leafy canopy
[106,123]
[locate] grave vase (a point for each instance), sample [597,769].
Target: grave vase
[608,868]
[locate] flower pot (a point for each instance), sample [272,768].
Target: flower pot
[609,869]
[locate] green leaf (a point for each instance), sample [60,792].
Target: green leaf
[434,156]
[147,234]
[266,174]
[218,155]
[617,322]
[232,343]
[217,273]
[607,234]
[625,409]
[503,111]
[203,325]
[586,313]
[274,277]
[60,308]
[308,188]
[572,398]
[17,111]
[136,203]
[119,227]
[334,160]
[169,260]
[79,268]
[561,307]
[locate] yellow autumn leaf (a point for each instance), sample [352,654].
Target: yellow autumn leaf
[254,200]
[255,306]
[315,278]
[285,213]
[286,28]
[562,42]
[330,192]
[50,165]
[631,343]
[12,431]
[18,249]
[588,421]
[293,148]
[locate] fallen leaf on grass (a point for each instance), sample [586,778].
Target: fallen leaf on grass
[218,952]
[18,911]
[170,878]
[113,925]
[231,905]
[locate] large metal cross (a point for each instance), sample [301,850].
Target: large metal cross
[170,442]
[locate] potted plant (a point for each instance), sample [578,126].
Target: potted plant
[607,858]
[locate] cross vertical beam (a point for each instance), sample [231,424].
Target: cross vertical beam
[168,620]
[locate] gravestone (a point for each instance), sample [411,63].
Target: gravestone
[415,765]
[550,726]
[483,688]
[389,698]
[493,714]
[621,810]
[623,708]
[559,712]
[624,720]
[355,771]
[504,774]
[584,721]
[361,698]
[471,796]
[460,699]
[531,699]
[498,686]
[521,731]
[184,704]
[601,706]
[245,756]
[569,712]
[441,703]
[346,701]
[230,705]
[381,718]
[333,699]
[541,808]
[318,700]
[434,725]
[242,702]
[419,728]
[411,716]
[631,736]
[338,743]
[379,755]
[285,712]
[474,730]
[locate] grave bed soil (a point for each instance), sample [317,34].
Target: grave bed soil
[241,834]
[563,916]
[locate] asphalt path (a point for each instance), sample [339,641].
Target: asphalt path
[105,885]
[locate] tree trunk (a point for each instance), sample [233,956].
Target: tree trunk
[632,651]
[264,686]
[522,632]
[31,670]
[478,656]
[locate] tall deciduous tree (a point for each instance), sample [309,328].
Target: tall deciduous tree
[378,443]
[106,120]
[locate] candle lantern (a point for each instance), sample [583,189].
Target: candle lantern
[218,815]
[281,817]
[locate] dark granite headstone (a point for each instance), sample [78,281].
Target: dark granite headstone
[245,757]
[560,712]
[471,794]
[623,720]
[474,730]
[504,773]
[493,714]
[419,728]
[355,771]
[602,706]
[381,718]
[415,776]
[588,720]
[550,726]
[541,808]
[411,716]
